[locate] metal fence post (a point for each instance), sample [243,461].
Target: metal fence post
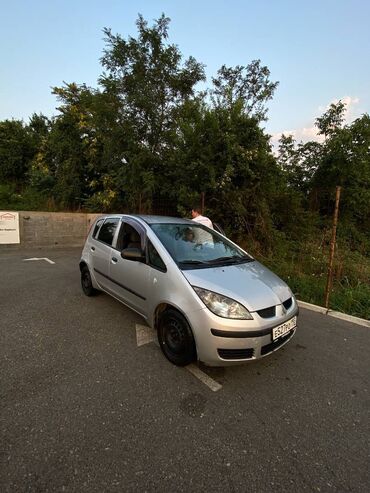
[329,282]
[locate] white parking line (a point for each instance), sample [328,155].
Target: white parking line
[41,258]
[144,335]
[204,378]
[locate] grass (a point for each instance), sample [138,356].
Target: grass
[304,267]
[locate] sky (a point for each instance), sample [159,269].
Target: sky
[318,50]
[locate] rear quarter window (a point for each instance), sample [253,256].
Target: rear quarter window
[97,227]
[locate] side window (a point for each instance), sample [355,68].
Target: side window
[129,237]
[154,258]
[107,231]
[97,227]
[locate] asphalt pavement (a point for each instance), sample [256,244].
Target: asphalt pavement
[84,409]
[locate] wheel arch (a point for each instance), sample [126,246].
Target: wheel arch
[192,350]
[164,306]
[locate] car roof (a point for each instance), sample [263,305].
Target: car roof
[152,219]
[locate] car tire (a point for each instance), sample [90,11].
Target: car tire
[86,282]
[176,338]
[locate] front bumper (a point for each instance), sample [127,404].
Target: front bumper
[225,342]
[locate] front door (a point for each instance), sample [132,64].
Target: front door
[130,279]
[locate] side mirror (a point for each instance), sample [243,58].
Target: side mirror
[133,254]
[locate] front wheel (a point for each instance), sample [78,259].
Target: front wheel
[86,282]
[176,338]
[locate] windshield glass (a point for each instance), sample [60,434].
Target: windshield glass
[196,246]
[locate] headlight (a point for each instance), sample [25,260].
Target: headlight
[222,305]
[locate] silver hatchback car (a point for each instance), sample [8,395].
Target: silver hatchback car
[207,298]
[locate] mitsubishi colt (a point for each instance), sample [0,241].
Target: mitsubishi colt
[207,298]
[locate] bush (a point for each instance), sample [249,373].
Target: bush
[26,199]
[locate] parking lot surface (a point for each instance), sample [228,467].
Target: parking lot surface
[85,409]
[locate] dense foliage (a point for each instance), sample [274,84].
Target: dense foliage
[147,139]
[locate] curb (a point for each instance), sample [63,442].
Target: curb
[332,313]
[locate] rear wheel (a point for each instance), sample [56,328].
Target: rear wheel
[86,282]
[176,338]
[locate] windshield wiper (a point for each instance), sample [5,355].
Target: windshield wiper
[217,261]
[234,259]
[220,259]
[192,262]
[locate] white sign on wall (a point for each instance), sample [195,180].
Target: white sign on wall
[9,227]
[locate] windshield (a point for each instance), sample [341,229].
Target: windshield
[196,246]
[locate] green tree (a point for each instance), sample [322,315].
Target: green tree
[346,162]
[148,79]
[16,151]
[332,120]
[299,162]
[224,153]
[315,169]
[249,86]
[38,128]
[61,166]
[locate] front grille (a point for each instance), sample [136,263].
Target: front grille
[288,303]
[267,312]
[236,353]
[274,345]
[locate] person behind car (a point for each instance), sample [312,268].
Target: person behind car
[201,235]
[199,218]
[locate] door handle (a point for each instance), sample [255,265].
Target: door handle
[114,260]
[93,249]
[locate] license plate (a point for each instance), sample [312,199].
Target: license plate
[284,328]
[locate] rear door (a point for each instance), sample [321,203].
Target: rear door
[101,251]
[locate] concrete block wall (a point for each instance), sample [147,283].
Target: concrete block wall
[52,229]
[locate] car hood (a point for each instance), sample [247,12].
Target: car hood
[251,284]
